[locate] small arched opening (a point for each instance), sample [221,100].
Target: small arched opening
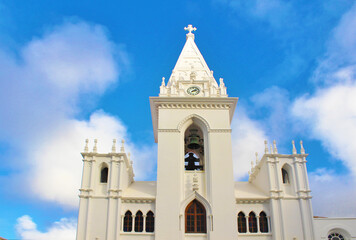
[194,148]
[104,172]
[150,222]
[241,222]
[252,222]
[128,222]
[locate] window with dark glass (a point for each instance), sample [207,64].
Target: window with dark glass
[104,175]
[263,222]
[150,222]
[252,222]
[195,218]
[285,176]
[139,222]
[335,236]
[128,222]
[241,222]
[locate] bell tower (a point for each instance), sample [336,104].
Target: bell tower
[191,121]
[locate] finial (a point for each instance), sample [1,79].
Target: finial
[129,156]
[212,73]
[302,150]
[190,28]
[251,164]
[95,148]
[86,149]
[113,149]
[122,149]
[266,147]
[163,83]
[256,158]
[222,84]
[294,151]
[275,151]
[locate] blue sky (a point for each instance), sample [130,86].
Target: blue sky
[71,70]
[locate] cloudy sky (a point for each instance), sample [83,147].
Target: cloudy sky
[71,70]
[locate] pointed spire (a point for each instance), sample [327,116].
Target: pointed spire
[190,29]
[113,148]
[256,158]
[163,83]
[251,164]
[302,150]
[275,151]
[86,148]
[266,147]
[95,148]
[122,149]
[191,67]
[294,151]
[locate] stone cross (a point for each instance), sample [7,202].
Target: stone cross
[190,28]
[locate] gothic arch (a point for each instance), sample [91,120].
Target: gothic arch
[104,172]
[288,169]
[198,197]
[193,118]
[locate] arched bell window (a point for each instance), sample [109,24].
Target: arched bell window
[252,222]
[139,222]
[241,222]
[194,148]
[195,218]
[150,222]
[263,222]
[128,222]
[104,174]
[285,176]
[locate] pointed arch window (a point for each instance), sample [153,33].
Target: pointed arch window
[139,222]
[285,176]
[128,222]
[252,222]
[104,175]
[150,222]
[263,222]
[241,222]
[195,218]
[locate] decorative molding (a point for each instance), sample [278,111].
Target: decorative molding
[220,130]
[168,130]
[251,201]
[193,105]
[137,200]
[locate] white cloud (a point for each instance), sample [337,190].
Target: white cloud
[328,189]
[57,166]
[331,115]
[73,57]
[65,229]
[40,96]
[247,139]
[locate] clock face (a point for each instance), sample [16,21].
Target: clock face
[193,90]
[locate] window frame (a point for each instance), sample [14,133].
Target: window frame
[196,218]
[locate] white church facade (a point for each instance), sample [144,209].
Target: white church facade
[198,199]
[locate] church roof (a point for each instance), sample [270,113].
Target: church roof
[246,190]
[141,189]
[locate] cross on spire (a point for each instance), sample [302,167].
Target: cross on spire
[190,28]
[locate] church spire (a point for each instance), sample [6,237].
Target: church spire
[191,75]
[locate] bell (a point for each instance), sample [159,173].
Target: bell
[194,140]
